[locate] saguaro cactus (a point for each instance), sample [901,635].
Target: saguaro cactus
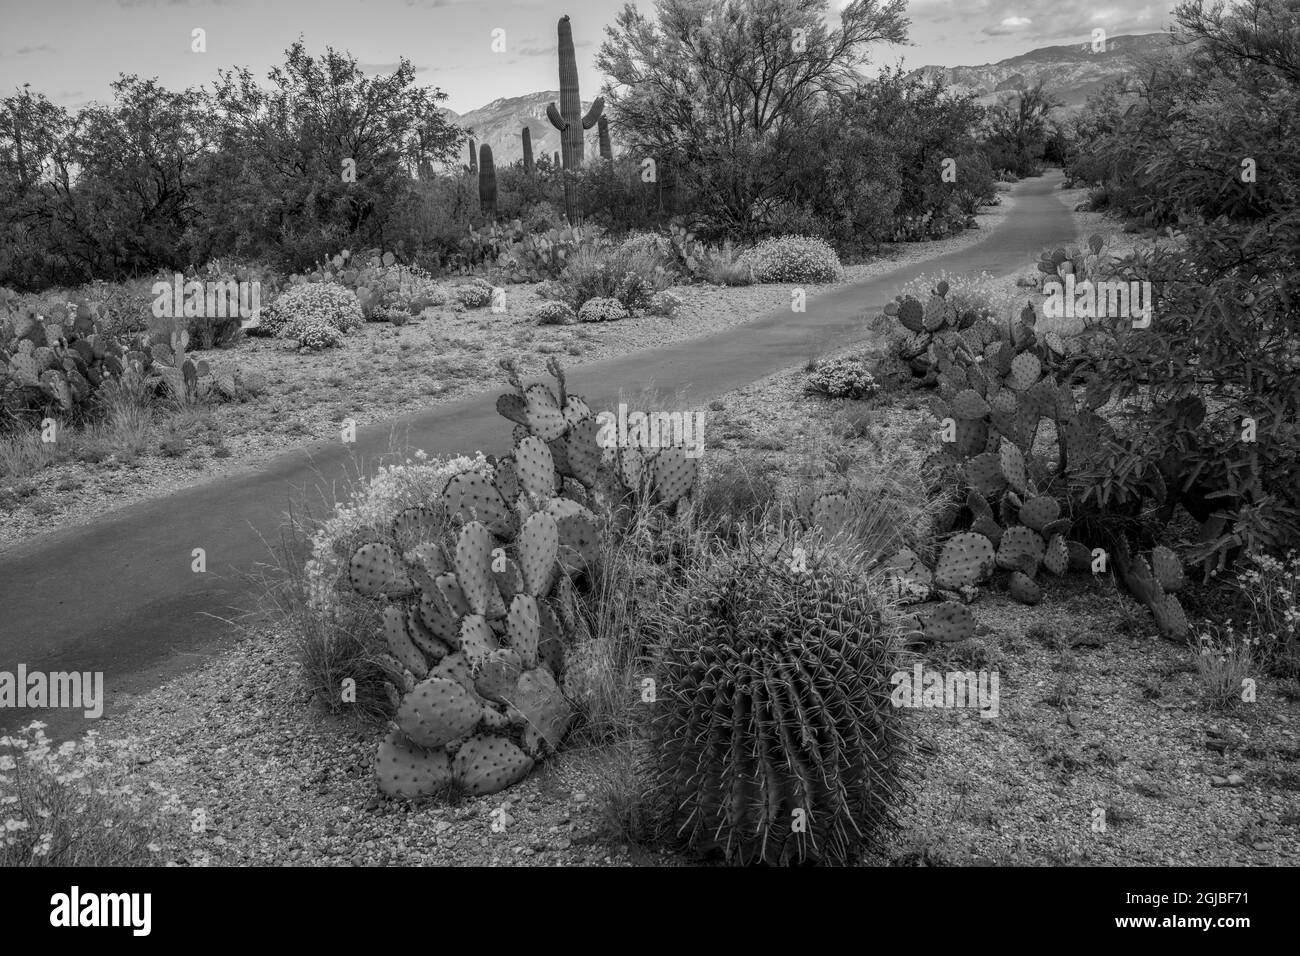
[487,181]
[528,152]
[606,151]
[568,119]
[473,156]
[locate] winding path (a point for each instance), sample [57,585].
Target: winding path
[119,595]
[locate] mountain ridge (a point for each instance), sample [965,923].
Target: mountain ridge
[1071,72]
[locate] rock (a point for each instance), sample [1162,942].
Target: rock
[1235,780]
[1218,781]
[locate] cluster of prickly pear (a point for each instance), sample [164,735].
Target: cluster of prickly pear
[1154,580]
[479,592]
[61,358]
[607,477]
[476,623]
[773,736]
[1062,262]
[179,373]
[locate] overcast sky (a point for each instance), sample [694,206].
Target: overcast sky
[71,50]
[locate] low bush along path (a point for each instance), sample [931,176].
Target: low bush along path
[121,595]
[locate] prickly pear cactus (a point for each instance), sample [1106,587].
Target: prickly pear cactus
[477,593]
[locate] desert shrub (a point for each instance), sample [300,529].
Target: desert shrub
[1266,591]
[318,336]
[665,304]
[650,246]
[631,276]
[474,294]
[1224,660]
[602,310]
[794,259]
[310,304]
[554,313]
[742,633]
[725,265]
[77,805]
[842,378]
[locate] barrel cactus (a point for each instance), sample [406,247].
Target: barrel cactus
[773,737]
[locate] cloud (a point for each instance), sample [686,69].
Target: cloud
[1008,26]
[28,50]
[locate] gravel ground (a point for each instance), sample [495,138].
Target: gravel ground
[1095,713]
[281,783]
[384,371]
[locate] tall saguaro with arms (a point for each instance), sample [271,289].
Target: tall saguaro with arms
[568,119]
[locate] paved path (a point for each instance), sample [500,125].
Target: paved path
[119,595]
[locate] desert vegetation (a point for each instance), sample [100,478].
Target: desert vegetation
[1082,478]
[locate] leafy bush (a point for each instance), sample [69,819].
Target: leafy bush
[554,313]
[602,310]
[311,304]
[842,378]
[794,259]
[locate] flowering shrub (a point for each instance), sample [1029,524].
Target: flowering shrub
[842,378]
[1270,590]
[648,245]
[602,310]
[368,514]
[309,304]
[76,805]
[665,303]
[474,294]
[554,313]
[318,337]
[794,259]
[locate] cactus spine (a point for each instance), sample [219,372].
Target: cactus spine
[529,168]
[606,151]
[487,182]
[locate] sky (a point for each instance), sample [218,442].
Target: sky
[71,50]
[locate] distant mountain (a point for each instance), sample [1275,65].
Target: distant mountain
[500,124]
[1071,73]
